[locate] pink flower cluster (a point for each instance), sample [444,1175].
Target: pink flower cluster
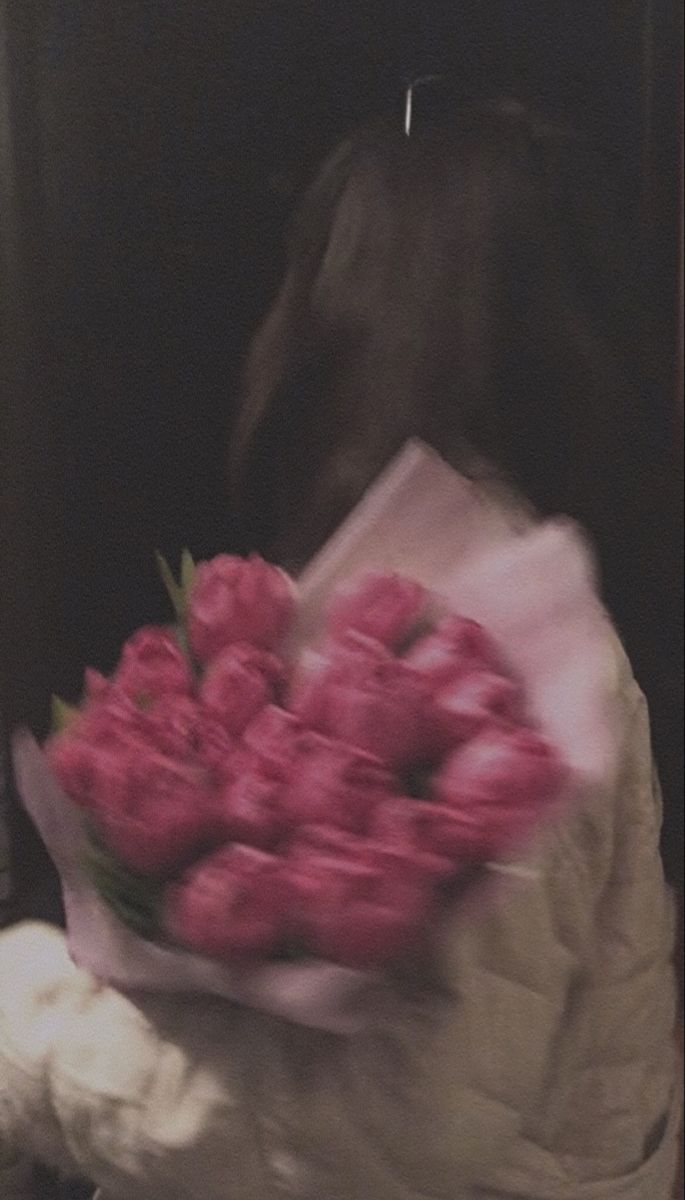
[324,805]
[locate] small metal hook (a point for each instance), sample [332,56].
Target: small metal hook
[409,99]
[409,110]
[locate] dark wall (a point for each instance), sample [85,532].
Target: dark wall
[150,156]
[154,152]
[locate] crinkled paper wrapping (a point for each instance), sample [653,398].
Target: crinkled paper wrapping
[532,585]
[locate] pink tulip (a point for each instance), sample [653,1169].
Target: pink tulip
[350,659]
[238,600]
[250,812]
[152,813]
[95,685]
[239,682]
[215,750]
[384,717]
[112,719]
[382,606]
[414,864]
[470,703]
[408,830]
[497,785]
[171,725]
[272,743]
[363,920]
[355,691]
[326,840]
[73,763]
[230,906]
[317,867]
[153,664]
[456,647]
[335,785]
[353,903]
[417,826]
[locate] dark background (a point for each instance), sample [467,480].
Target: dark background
[149,157]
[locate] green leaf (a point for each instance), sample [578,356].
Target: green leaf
[62,714]
[172,587]
[187,575]
[182,639]
[141,921]
[133,898]
[180,595]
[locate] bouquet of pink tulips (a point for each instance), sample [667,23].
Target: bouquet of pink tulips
[279,781]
